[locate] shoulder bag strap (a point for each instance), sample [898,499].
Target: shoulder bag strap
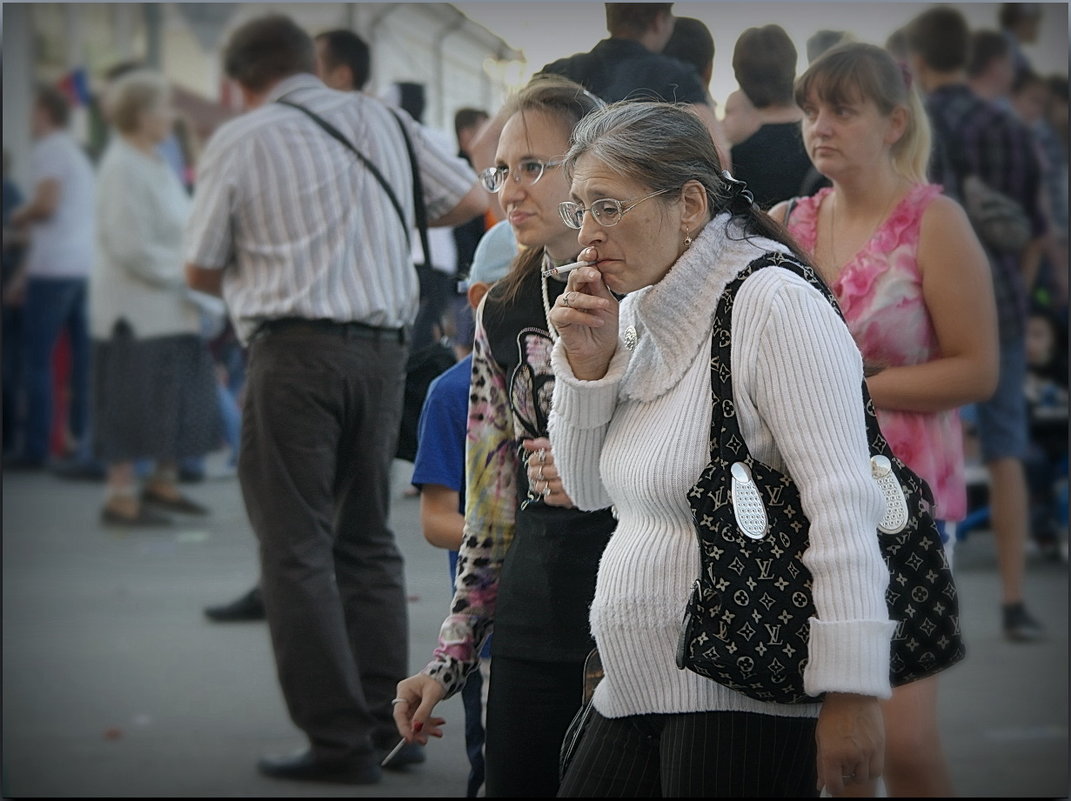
[789,209]
[336,134]
[420,210]
[726,441]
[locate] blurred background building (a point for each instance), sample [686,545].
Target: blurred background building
[460,62]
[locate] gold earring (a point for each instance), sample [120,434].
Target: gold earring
[687,242]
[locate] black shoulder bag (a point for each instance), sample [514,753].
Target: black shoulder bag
[1000,221]
[746,624]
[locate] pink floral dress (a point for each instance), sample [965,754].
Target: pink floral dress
[880,293]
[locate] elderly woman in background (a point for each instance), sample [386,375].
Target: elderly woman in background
[154,386]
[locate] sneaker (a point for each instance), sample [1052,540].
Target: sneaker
[1020,625]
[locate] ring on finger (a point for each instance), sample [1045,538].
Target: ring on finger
[540,475]
[566,299]
[546,489]
[542,455]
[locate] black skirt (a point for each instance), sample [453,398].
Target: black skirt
[154,398]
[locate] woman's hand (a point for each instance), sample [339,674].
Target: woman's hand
[851,744]
[543,476]
[585,315]
[412,714]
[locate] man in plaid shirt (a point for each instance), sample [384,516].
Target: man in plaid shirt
[997,147]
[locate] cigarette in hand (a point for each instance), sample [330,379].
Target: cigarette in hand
[392,754]
[565,268]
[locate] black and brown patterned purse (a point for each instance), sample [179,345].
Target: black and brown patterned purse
[746,624]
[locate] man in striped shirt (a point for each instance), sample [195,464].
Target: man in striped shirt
[308,244]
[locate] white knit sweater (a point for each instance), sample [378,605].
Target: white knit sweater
[639,438]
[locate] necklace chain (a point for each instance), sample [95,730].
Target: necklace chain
[835,264]
[547,263]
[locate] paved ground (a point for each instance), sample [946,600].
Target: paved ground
[114,683]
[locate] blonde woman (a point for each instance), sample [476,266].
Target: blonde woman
[915,287]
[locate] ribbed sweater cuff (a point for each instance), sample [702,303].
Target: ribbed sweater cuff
[586,404]
[849,657]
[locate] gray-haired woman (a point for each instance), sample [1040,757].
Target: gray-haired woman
[154,381]
[630,425]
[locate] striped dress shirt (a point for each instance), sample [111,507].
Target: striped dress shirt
[299,225]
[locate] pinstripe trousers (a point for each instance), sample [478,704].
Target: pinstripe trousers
[712,754]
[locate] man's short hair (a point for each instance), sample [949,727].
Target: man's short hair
[1011,14]
[692,43]
[55,105]
[986,47]
[821,41]
[764,62]
[346,47]
[268,49]
[468,118]
[1026,79]
[896,44]
[631,20]
[941,38]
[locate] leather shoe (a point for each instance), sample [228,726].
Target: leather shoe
[181,504]
[303,766]
[144,518]
[249,607]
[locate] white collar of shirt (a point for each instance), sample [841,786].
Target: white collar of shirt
[303,80]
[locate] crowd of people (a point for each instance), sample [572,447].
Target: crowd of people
[568,252]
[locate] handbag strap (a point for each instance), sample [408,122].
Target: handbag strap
[726,441]
[338,135]
[789,209]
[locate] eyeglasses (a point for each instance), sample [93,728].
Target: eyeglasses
[606,211]
[528,172]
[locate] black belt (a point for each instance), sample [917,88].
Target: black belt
[302,325]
